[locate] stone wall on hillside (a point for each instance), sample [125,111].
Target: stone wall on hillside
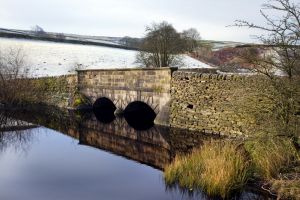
[223,104]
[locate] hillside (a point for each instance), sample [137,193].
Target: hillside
[116,42]
[48,58]
[44,58]
[217,45]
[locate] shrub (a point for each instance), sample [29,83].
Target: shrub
[15,87]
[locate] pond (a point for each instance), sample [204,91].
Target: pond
[51,154]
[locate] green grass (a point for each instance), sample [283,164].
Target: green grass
[276,161]
[271,155]
[218,168]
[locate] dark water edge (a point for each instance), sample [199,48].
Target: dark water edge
[118,144]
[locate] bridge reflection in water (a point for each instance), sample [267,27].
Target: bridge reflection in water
[149,146]
[155,147]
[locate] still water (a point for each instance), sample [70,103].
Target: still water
[53,155]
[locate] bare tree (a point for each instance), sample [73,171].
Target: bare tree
[130,42]
[161,46]
[281,57]
[192,38]
[39,31]
[15,87]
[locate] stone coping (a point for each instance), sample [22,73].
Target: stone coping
[52,77]
[131,69]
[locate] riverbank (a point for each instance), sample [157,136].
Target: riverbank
[155,147]
[223,168]
[206,103]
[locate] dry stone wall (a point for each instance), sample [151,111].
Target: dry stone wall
[223,104]
[57,91]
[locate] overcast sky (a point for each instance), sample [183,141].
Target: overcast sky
[130,17]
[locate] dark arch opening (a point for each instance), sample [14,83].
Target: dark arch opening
[104,110]
[139,115]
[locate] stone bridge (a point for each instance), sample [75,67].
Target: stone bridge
[198,100]
[125,86]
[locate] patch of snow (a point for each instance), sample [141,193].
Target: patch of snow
[218,45]
[55,59]
[189,62]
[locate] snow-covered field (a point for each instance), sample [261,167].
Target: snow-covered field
[54,59]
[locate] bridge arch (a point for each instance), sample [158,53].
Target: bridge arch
[104,110]
[124,86]
[139,115]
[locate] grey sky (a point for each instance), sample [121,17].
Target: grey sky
[129,17]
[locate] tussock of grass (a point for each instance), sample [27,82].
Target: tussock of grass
[287,185]
[270,156]
[221,167]
[287,189]
[218,168]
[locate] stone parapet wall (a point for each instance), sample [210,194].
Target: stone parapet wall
[223,104]
[58,90]
[147,80]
